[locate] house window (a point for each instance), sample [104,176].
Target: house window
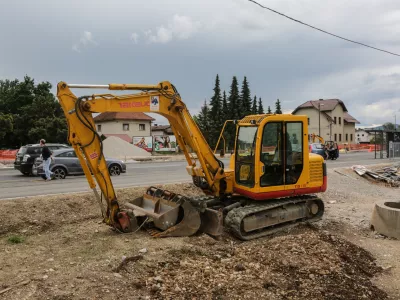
[125,127]
[358,134]
[363,134]
[340,136]
[308,121]
[351,137]
[335,137]
[99,128]
[142,127]
[340,121]
[347,137]
[334,119]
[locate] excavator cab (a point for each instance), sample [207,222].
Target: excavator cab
[272,159]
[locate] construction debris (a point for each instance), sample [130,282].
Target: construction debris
[389,175]
[386,219]
[307,264]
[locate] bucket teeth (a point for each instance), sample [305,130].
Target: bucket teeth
[171,214]
[153,232]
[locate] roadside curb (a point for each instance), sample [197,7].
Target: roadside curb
[6,169]
[158,159]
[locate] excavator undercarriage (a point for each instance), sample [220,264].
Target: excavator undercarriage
[166,214]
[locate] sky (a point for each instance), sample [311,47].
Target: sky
[189,42]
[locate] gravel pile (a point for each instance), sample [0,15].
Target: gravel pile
[114,147]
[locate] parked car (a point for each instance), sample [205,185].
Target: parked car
[318,148]
[67,163]
[26,156]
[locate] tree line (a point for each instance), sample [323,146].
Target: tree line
[234,106]
[28,113]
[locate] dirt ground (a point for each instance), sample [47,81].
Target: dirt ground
[58,248]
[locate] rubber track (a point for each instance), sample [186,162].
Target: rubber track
[234,218]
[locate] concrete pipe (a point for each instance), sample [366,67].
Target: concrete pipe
[386,218]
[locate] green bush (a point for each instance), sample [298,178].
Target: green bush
[15,239]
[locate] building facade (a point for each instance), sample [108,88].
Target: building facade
[329,119]
[123,123]
[363,137]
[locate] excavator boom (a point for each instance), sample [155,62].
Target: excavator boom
[207,171]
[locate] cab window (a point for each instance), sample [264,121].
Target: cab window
[281,153]
[294,152]
[272,155]
[245,155]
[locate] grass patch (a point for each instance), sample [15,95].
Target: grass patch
[15,239]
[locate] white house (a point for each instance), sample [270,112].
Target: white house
[330,119]
[124,124]
[362,136]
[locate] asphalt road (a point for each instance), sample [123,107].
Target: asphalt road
[14,185]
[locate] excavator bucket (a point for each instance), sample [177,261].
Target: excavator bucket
[172,214]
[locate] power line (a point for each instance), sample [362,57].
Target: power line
[313,27]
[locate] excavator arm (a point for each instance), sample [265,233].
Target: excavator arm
[207,171]
[315,136]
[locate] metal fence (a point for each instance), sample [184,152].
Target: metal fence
[394,150]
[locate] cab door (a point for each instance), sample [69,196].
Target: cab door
[272,156]
[245,157]
[281,155]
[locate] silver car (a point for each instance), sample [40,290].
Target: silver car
[67,163]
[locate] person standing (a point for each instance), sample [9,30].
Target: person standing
[47,158]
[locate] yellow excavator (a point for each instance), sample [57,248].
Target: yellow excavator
[270,184]
[316,136]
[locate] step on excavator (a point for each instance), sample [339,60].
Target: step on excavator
[269,185]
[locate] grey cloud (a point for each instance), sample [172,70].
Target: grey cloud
[179,27]
[281,59]
[85,41]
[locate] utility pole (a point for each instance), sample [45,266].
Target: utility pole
[319,116]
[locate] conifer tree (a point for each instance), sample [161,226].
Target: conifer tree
[245,99]
[254,110]
[260,107]
[233,99]
[215,117]
[203,121]
[233,112]
[225,112]
[269,109]
[228,129]
[278,109]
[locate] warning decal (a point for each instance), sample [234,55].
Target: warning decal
[154,103]
[93,155]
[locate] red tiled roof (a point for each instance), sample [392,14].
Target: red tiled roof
[328,105]
[349,118]
[124,137]
[165,128]
[111,116]
[160,127]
